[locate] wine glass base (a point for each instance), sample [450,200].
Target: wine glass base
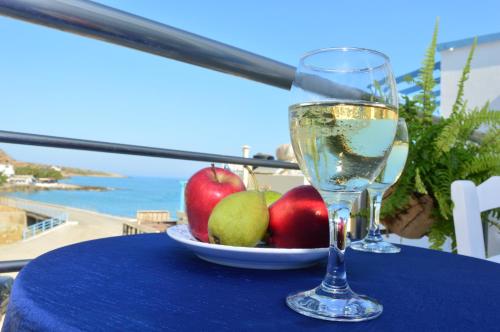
[379,247]
[346,307]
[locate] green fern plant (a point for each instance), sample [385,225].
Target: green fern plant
[443,151]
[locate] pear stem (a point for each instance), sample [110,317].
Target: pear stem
[254,178]
[215,173]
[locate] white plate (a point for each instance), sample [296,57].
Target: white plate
[250,258]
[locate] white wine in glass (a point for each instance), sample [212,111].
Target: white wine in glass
[342,126]
[339,142]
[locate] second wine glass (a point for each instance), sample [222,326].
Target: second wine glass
[373,241]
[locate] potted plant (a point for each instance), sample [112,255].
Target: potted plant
[441,151]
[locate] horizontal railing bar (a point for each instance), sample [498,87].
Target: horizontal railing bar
[13,266]
[410,90]
[94,20]
[416,88]
[97,146]
[413,74]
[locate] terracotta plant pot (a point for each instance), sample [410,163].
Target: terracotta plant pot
[413,222]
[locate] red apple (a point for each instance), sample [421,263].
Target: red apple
[299,219]
[203,191]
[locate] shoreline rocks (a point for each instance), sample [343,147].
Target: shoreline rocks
[49,186]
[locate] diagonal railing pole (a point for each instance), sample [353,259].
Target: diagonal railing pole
[104,23]
[97,21]
[94,20]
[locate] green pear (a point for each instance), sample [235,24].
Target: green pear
[240,219]
[271,196]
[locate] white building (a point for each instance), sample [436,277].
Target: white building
[484,80]
[277,179]
[22,180]
[483,85]
[7,170]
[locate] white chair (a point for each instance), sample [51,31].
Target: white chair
[469,202]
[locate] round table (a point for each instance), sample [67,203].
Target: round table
[150,283]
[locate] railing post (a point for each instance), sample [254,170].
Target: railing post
[182,202]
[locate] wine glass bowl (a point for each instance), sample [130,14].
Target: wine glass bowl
[342,121]
[338,142]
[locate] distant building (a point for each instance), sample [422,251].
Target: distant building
[277,179]
[56,168]
[7,170]
[484,81]
[22,180]
[46,180]
[153,216]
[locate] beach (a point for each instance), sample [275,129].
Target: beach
[82,225]
[91,214]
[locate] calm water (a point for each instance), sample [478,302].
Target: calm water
[130,194]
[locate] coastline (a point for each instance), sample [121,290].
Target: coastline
[124,197]
[9,188]
[94,175]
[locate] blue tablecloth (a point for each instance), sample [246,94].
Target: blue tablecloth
[150,283]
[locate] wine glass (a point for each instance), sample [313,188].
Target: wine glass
[342,124]
[373,242]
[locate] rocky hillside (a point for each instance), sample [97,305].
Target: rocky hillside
[66,171]
[6,159]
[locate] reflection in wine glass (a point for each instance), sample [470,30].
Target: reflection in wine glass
[342,125]
[373,242]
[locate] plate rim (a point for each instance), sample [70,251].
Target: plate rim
[254,250]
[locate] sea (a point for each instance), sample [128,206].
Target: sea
[126,197]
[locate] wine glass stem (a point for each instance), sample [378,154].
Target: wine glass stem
[375,206]
[335,280]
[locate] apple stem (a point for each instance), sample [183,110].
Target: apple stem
[254,178]
[215,173]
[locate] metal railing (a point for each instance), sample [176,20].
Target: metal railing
[88,145]
[44,226]
[410,88]
[94,20]
[114,26]
[13,266]
[104,23]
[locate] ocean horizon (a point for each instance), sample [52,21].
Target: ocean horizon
[128,195]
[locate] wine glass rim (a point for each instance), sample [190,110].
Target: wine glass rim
[343,49]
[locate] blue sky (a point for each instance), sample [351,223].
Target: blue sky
[61,84]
